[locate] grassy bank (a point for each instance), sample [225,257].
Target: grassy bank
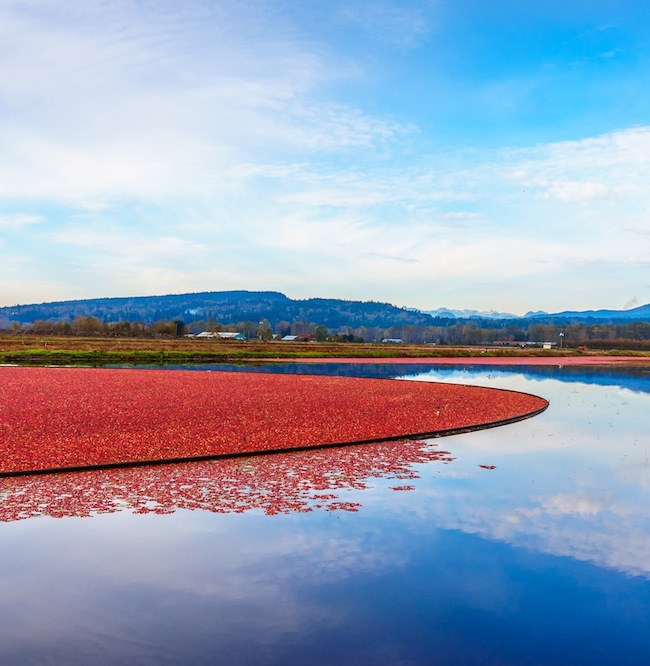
[29,350]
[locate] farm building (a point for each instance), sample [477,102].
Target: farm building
[220,335]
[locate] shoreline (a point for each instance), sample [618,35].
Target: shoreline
[483,360]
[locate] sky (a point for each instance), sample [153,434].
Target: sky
[427,153]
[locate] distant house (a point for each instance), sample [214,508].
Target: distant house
[392,341]
[228,335]
[220,335]
[510,343]
[289,338]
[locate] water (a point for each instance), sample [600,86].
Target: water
[525,544]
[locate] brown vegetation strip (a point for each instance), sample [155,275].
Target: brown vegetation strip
[74,418]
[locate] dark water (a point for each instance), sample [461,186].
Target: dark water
[400,553]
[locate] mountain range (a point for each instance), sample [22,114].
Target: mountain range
[230,307]
[470,314]
[641,313]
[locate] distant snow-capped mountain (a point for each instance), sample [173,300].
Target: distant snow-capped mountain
[469,314]
[536,313]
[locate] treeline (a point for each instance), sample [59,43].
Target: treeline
[635,335]
[602,336]
[92,326]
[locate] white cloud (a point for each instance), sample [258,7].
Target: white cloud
[338,197]
[17,220]
[617,160]
[462,215]
[576,190]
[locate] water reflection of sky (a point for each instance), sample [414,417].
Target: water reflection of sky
[543,560]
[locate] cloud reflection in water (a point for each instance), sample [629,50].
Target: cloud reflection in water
[573,482]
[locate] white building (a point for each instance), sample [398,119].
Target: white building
[220,335]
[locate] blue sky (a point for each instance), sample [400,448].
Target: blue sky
[457,153]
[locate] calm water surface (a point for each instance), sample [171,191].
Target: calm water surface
[525,544]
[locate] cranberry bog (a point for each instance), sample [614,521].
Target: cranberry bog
[482,547]
[67,419]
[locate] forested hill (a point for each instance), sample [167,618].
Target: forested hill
[226,307]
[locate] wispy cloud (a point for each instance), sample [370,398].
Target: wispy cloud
[569,190]
[126,102]
[17,220]
[226,143]
[404,260]
[400,24]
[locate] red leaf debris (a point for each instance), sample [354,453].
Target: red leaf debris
[293,482]
[71,418]
[488,466]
